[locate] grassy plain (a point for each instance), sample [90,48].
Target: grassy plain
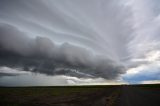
[96,95]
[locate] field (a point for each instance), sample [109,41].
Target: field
[120,95]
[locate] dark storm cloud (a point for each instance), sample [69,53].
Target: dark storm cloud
[41,54]
[7,74]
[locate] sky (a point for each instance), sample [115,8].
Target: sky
[79,42]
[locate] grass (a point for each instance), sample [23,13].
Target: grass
[27,96]
[18,96]
[56,90]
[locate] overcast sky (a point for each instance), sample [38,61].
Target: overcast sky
[61,42]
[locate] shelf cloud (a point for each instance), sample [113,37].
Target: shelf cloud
[83,39]
[41,54]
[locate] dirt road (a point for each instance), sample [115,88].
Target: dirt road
[139,96]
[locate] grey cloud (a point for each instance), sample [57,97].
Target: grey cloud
[41,54]
[7,74]
[102,26]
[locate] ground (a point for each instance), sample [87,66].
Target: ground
[120,95]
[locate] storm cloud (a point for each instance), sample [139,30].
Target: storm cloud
[41,54]
[83,39]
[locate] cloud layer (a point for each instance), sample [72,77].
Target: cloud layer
[40,54]
[92,39]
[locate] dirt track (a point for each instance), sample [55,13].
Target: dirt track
[139,96]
